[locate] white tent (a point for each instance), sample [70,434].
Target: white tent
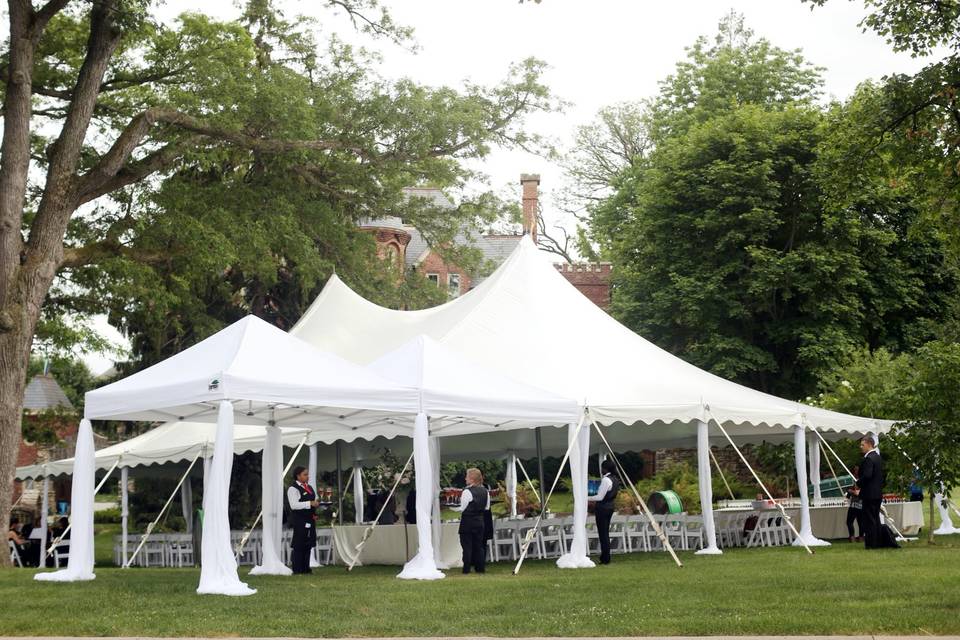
[529,321]
[251,373]
[461,397]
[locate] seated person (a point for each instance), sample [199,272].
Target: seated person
[22,544]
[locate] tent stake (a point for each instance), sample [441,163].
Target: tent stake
[783,512]
[636,494]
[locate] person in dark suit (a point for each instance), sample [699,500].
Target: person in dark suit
[869,488]
[604,508]
[474,509]
[303,500]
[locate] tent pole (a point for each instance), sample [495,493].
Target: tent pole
[146,534]
[779,506]
[539,441]
[44,508]
[124,510]
[529,481]
[339,487]
[369,530]
[532,533]
[636,494]
[59,539]
[249,532]
[883,509]
[723,477]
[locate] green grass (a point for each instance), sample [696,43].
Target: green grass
[840,590]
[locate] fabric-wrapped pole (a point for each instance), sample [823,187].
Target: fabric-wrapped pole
[124,510]
[705,482]
[813,447]
[80,564]
[511,482]
[271,563]
[218,567]
[579,443]
[44,512]
[435,528]
[946,522]
[806,537]
[312,481]
[358,492]
[422,566]
[186,503]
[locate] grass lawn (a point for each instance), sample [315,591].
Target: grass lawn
[841,590]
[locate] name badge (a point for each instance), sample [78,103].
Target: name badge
[307,525]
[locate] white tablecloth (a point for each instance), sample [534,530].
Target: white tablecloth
[830,523]
[394,544]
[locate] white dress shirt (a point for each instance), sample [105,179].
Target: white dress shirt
[606,484]
[466,498]
[293,497]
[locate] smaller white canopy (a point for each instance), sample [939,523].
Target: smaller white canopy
[168,442]
[461,396]
[271,375]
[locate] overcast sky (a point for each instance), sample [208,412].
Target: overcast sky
[600,52]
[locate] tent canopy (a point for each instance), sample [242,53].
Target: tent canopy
[528,321]
[269,375]
[170,442]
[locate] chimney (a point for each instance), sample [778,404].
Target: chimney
[531,185]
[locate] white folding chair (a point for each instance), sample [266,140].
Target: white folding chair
[593,538]
[61,553]
[618,534]
[673,526]
[551,539]
[180,550]
[566,532]
[505,540]
[14,554]
[634,534]
[535,549]
[153,553]
[693,533]
[325,546]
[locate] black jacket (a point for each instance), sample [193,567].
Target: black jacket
[871,477]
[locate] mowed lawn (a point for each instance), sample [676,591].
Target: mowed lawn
[840,590]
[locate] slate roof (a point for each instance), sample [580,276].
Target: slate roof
[43,393]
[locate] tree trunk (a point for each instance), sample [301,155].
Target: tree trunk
[14,356]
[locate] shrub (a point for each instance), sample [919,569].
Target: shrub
[106,516]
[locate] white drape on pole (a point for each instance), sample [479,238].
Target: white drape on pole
[422,566]
[218,567]
[186,503]
[44,512]
[800,458]
[813,449]
[271,563]
[124,510]
[207,462]
[312,481]
[435,528]
[946,522]
[358,492]
[511,482]
[80,564]
[579,459]
[705,482]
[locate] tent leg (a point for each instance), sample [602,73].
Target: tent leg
[511,482]
[705,482]
[423,565]
[539,442]
[124,509]
[339,486]
[358,492]
[44,512]
[813,450]
[806,531]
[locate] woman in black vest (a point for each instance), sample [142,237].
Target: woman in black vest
[603,510]
[303,500]
[474,507]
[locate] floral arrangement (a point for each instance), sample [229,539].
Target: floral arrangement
[386,472]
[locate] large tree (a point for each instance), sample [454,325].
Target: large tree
[101,104]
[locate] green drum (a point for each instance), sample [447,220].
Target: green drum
[664,502]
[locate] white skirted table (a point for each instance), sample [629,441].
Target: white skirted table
[830,522]
[394,544]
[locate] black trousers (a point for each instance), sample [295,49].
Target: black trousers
[300,558]
[603,517]
[870,523]
[474,551]
[854,515]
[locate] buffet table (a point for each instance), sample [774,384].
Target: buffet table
[394,544]
[829,522]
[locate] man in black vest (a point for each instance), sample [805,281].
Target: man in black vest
[603,509]
[474,507]
[869,489]
[303,500]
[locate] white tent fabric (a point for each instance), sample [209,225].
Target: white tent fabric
[358,492]
[167,443]
[946,522]
[437,530]
[80,563]
[806,537]
[813,449]
[218,566]
[511,483]
[422,566]
[705,483]
[579,443]
[622,377]
[269,374]
[272,563]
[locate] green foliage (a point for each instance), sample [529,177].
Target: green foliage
[682,479]
[107,516]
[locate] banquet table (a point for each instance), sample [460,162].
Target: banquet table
[394,544]
[829,522]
